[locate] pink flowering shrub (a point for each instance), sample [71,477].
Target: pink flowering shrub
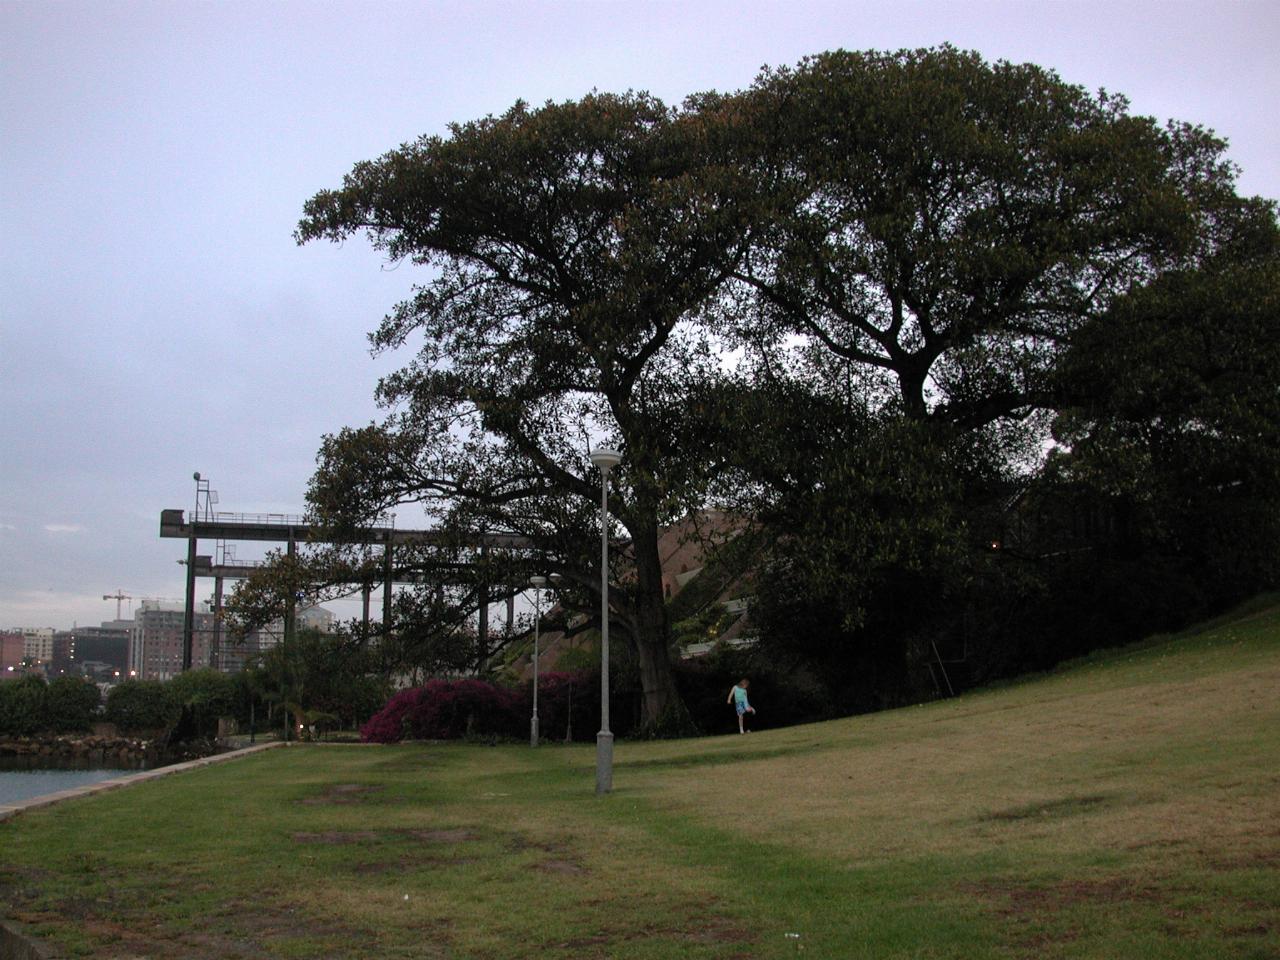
[447,710]
[388,724]
[455,709]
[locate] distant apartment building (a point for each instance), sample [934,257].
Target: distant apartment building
[155,644]
[231,655]
[37,644]
[100,653]
[12,650]
[308,618]
[316,618]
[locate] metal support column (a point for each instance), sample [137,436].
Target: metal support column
[365,590]
[189,610]
[215,655]
[290,624]
[483,600]
[386,588]
[291,609]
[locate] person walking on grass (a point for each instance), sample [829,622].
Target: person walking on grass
[738,697]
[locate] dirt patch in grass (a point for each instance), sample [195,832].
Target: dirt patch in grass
[1256,930]
[563,867]
[1029,909]
[441,836]
[713,930]
[717,931]
[373,868]
[400,860]
[1245,860]
[342,793]
[337,837]
[240,930]
[374,836]
[1018,900]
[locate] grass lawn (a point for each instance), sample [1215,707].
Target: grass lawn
[1125,806]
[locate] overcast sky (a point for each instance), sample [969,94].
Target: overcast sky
[157,317]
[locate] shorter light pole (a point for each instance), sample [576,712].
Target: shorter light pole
[605,459]
[538,583]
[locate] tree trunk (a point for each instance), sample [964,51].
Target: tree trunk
[662,704]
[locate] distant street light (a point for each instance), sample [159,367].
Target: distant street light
[604,459]
[538,584]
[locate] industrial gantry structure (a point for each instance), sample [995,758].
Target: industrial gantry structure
[204,524]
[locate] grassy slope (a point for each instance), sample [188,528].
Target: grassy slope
[1127,805]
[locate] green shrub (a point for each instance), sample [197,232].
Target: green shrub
[70,704]
[139,705]
[23,706]
[203,696]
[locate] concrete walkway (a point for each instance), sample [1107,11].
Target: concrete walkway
[12,810]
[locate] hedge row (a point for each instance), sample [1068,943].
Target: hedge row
[29,706]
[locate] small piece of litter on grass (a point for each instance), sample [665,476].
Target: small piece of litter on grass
[793,936]
[406,896]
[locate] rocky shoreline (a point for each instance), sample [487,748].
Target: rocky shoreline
[100,751]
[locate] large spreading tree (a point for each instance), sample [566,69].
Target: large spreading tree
[573,248]
[940,231]
[906,246]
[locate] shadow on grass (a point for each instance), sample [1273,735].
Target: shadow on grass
[1051,809]
[718,758]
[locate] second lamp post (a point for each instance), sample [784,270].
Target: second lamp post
[538,583]
[604,459]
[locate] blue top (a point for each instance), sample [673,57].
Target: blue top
[739,696]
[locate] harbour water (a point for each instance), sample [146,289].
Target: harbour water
[18,784]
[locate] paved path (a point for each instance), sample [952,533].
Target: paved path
[13,809]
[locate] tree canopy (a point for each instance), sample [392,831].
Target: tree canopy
[573,246]
[845,301]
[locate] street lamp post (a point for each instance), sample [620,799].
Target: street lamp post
[605,459]
[538,583]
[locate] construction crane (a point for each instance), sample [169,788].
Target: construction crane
[117,597]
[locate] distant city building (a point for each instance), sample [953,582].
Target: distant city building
[316,618]
[155,644]
[105,647]
[155,640]
[12,650]
[37,644]
[308,618]
[64,652]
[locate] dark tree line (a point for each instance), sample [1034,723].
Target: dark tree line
[880,306]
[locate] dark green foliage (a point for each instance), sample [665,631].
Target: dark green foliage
[925,259]
[71,704]
[576,247]
[1180,427]
[23,706]
[943,223]
[203,696]
[319,679]
[568,702]
[781,694]
[968,247]
[141,706]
